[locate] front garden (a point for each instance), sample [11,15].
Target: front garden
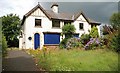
[86,53]
[75,59]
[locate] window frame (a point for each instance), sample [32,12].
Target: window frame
[36,22]
[80,26]
[54,23]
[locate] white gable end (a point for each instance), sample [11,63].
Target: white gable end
[38,12]
[86,25]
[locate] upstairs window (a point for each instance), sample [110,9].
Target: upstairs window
[81,26]
[37,22]
[56,23]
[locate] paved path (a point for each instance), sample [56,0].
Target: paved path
[19,61]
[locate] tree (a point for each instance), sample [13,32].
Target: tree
[11,29]
[94,32]
[115,36]
[68,30]
[115,20]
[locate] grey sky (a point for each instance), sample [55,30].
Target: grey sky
[98,11]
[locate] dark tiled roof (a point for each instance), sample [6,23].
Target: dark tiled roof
[61,16]
[54,4]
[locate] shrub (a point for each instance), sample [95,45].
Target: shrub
[4,46]
[63,43]
[115,43]
[93,43]
[73,43]
[84,38]
[94,32]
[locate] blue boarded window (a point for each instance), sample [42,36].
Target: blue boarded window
[76,35]
[51,38]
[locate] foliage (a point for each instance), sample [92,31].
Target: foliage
[115,20]
[93,43]
[78,60]
[107,30]
[63,43]
[44,49]
[74,43]
[115,39]
[84,38]
[4,45]
[94,32]
[112,38]
[115,42]
[11,29]
[68,30]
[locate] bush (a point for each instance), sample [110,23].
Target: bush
[93,44]
[84,38]
[115,43]
[63,43]
[4,46]
[73,43]
[94,32]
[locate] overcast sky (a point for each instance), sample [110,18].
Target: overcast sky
[99,11]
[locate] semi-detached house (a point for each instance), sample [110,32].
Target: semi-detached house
[42,27]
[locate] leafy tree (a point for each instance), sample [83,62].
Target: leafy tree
[115,36]
[115,20]
[94,32]
[68,30]
[11,29]
[4,45]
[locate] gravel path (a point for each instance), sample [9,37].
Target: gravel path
[18,60]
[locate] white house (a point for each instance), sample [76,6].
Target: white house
[42,27]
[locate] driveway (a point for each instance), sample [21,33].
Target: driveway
[18,60]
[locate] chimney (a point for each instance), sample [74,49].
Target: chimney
[55,7]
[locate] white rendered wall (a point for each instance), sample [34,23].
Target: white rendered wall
[86,25]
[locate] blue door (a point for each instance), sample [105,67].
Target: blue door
[51,38]
[36,41]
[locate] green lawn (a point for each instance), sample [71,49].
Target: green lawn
[77,60]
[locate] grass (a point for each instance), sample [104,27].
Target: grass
[76,60]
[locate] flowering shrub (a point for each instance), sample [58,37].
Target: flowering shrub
[73,43]
[92,44]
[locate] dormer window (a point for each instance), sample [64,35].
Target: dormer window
[38,22]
